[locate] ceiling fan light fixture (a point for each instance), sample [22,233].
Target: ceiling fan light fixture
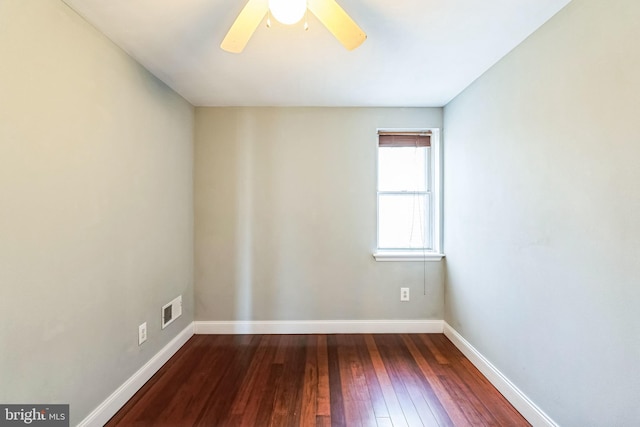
[288,12]
[328,12]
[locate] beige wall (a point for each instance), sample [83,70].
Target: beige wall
[286,217]
[542,214]
[95,209]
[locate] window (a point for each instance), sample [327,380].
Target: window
[409,196]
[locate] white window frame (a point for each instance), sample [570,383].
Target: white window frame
[435,225]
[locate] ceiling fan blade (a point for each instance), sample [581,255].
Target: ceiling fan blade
[245,24]
[338,22]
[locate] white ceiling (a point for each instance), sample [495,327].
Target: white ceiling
[418,52]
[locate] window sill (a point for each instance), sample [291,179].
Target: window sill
[401,256]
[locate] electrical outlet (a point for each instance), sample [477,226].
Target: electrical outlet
[404,294]
[142,333]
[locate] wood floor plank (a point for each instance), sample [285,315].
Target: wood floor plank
[259,386]
[391,400]
[468,408]
[323,421]
[424,399]
[193,386]
[443,396]
[335,384]
[323,398]
[433,349]
[281,349]
[490,397]
[354,386]
[470,398]
[394,361]
[349,390]
[310,386]
[219,401]
[371,380]
[286,411]
[481,392]
[323,380]
[267,399]
[252,377]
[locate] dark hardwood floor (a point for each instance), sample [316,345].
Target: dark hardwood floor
[318,380]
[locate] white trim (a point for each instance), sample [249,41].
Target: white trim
[320,327]
[112,404]
[416,255]
[513,394]
[437,190]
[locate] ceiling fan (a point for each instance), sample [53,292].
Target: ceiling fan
[332,16]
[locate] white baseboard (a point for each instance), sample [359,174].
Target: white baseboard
[118,398]
[517,398]
[320,327]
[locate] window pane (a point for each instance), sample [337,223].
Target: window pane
[403,221]
[402,168]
